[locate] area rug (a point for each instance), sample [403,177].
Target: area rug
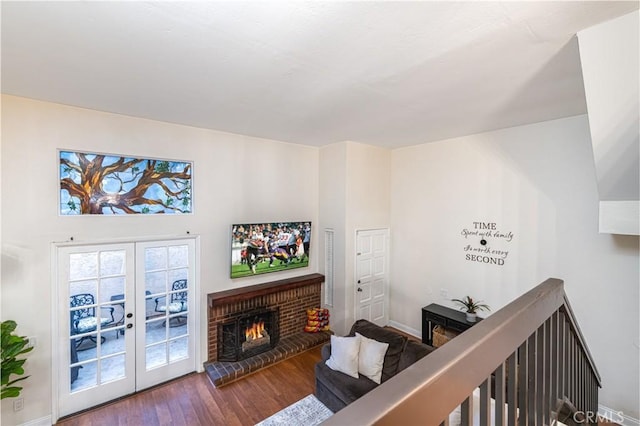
[308,412]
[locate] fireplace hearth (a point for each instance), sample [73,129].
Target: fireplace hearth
[248,334]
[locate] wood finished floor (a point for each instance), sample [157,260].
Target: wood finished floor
[193,400]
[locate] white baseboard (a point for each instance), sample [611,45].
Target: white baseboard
[406,329]
[616,416]
[42,421]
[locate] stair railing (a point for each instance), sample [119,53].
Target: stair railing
[525,359]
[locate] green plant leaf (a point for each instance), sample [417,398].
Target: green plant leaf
[9,369]
[11,346]
[8,327]
[471,306]
[10,392]
[14,346]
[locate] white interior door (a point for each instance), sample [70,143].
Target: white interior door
[127,319]
[372,276]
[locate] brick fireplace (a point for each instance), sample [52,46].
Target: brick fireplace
[289,297]
[248,334]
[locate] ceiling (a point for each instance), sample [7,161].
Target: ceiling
[383,73]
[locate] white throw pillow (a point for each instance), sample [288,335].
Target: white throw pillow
[371,357]
[344,355]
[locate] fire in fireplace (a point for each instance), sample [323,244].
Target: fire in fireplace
[248,334]
[255,336]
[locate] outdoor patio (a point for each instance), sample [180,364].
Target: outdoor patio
[112,353]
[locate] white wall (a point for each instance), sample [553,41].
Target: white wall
[332,208]
[610,68]
[537,181]
[236,179]
[368,202]
[354,195]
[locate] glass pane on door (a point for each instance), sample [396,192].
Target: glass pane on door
[167,292]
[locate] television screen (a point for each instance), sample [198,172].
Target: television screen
[259,248]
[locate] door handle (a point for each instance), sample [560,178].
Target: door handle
[359,289]
[129,325]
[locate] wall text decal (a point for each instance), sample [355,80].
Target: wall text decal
[485,243]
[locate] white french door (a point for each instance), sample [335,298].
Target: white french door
[90,371]
[126,319]
[165,300]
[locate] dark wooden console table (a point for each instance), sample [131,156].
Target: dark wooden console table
[435,314]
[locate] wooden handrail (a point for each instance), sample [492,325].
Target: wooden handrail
[433,387]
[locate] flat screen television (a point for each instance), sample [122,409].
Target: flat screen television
[260,248]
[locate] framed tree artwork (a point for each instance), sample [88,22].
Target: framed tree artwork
[103,184]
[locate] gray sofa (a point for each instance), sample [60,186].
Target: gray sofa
[336,390]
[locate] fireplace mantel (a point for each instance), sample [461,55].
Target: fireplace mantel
[243,293]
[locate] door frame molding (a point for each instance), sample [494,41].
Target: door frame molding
[354,286]
[55,296]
